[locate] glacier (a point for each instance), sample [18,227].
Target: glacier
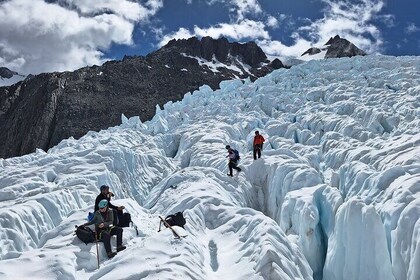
[336,194]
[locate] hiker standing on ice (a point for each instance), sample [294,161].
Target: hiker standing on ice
[233,160]
[106,194]
[258,144]
[104,229]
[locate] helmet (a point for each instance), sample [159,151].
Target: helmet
[227,147]
[103,203]
[103,187]
[257,132]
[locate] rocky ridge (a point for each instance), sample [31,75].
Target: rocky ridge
[44,109]
[336,47]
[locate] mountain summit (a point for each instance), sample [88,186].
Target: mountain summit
[9,77]
[336,47]
[44,109]
[6,73]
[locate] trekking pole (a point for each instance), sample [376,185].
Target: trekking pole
[97,247]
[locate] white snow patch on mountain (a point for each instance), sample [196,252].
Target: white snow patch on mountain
[214,65]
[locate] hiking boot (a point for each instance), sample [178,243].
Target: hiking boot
[230,175]
[120,248]
[239,170]
[111,254]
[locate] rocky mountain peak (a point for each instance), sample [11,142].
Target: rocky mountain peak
[220,49]
[6,73]
[9,77]
[336,47]
[340,47]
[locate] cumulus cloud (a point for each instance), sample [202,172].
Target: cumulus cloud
[277,48]
[36,36]
[240,8]
[411,28]
[238,29]
[349,19]
[181,33]
[246,29]
[272,22]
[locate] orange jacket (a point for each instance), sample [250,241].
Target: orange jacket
[258,139]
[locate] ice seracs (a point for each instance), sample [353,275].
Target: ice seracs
[335,194]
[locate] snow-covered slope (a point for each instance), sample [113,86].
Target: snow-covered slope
[336,194]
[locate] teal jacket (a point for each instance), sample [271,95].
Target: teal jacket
[98,219]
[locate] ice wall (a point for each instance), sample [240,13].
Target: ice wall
[338,181]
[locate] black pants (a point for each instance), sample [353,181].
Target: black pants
[105,237]
[233,165]
[257,150]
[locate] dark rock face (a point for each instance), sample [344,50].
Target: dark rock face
[220,49]
[44,109]
[340,47]
[337,47]
[312,51]
[6,73]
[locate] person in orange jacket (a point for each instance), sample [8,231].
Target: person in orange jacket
[258,144]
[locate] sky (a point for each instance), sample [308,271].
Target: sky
[335,194]
[56,35]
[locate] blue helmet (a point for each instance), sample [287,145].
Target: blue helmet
[103,187]
[103,203]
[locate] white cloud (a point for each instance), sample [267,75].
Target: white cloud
[247,29]
[277,48]
[349,19]
[272,22]
[388,20]
[241,8]
[245,7]
[411,28]
[36,36]
[182,33]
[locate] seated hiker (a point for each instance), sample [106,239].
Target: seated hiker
[233,156]
[104,229]
[106,194]
[258,144]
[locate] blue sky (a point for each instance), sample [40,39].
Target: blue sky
[58,35]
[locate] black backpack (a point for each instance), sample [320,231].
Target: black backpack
[237,157]
[124,220]
[85,234]
[176,219]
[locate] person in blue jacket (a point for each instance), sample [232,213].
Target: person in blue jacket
[233,157]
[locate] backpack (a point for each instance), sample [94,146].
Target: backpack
[85,234]
[176,219]
[237,157]
[124,220]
